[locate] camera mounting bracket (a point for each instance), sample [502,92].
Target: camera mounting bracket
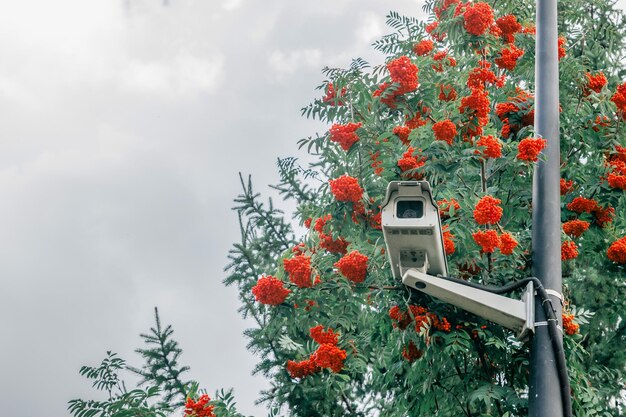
[517,315]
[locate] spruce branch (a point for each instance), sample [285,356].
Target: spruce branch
[161,367]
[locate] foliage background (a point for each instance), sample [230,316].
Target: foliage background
[475,369]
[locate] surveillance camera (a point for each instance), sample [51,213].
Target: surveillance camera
[412,229]
[414,240]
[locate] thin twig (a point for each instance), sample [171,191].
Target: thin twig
[467,186]
[347,403]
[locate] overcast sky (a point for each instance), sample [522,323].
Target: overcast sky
[124,124]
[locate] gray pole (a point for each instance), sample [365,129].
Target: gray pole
[544,396]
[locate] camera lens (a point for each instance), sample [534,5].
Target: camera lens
[410,209]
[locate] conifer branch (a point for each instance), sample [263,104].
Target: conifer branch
[161,363]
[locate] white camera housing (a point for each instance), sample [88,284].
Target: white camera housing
[412,229]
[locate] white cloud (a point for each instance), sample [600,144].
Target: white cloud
[16,93]
[184,74]
[288,63]
[260,29]
[370,27]
[230,5]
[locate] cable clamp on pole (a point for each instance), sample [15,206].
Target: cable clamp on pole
[556,294]
[553,293]
[545,323]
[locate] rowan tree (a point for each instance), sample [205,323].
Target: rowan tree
[453,104]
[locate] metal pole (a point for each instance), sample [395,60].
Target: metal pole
[544,396]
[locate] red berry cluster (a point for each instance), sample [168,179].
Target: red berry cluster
[439,58]
[569,325]
[321,336]
[417,121]
[617,251]
[575,228]
[400,318]
[419,317]
[423,47]
[410,162]
[270,290]
[411,353]
[491,147]
[619,98]
[508,26]
[386,97]
[300,248]
[299,270]
[603,215]
[445,131]
[301,369]
[376,163]
[487,210]
[617,166]
[353,266]
[582,205]
[488,240]
[516,113]
[331,95]
[346,188]
[600,122]
[595,82]
[507,244]
[561,45]
[480,76]
[443,6]
[402,132]
[448,242]
[529,149]
[444,207]
[199,408]
[328,355]
[327,242]
[431,29]
[447,93]
[566,186]
[569,250]
[478,18]
[476,105]
[508,57]
[403,72]
[344,135]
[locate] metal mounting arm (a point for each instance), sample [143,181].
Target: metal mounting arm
[516,315]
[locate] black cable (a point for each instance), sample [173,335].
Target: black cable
[553,331]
